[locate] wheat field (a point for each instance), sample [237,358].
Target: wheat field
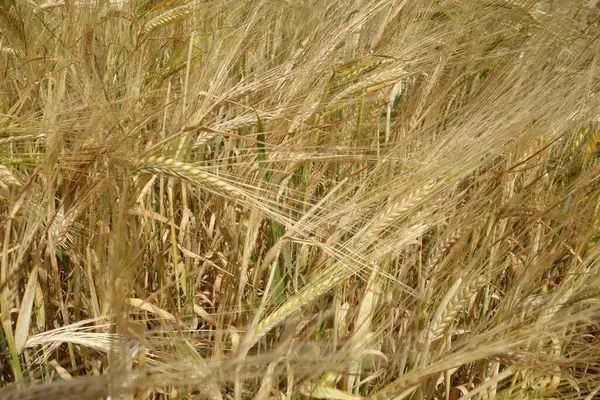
[299,199]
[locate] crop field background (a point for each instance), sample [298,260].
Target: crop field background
[299,199]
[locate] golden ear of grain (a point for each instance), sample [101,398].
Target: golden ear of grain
[313,290]
[168,17]
[190,173]
[371,231]
[351,70]
[388,76]
[453,307]
[442,247]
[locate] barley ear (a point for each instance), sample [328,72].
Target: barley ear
[168,17]
[187,172]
